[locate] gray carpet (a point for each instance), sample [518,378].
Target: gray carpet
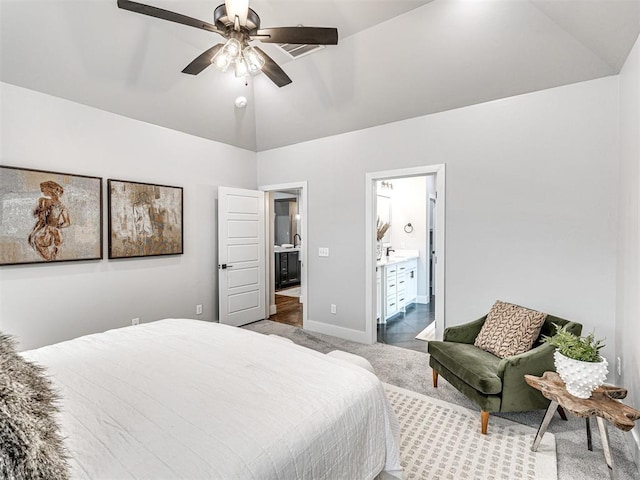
[410,369]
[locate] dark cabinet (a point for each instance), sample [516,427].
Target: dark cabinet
[287,269]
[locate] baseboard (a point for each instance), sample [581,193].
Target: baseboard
[273,309]
[336,331]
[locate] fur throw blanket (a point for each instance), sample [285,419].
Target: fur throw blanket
[31,447]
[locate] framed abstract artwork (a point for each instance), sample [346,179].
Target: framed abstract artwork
[49,217]
[144,219]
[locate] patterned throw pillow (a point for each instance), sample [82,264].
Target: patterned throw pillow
[509,329]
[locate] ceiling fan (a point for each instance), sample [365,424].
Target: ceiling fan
[239,24]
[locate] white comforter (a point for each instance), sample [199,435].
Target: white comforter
[186,399]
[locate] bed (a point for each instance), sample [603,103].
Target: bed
[187,399]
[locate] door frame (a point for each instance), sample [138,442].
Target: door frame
[370,242]
[302,186]
[434,199]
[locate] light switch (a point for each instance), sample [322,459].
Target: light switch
[323,252]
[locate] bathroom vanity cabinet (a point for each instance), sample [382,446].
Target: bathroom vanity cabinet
[397,287]
[287,269]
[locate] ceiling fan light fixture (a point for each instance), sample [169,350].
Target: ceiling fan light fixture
[233,47]
[255,61]
[242,69]
[227,55]
[222,61]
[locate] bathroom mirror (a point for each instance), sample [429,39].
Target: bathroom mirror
[286,223]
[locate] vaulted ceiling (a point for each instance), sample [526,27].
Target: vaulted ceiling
[395,59]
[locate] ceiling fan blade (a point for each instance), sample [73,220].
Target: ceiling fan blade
[237,8]
[166,15]
[298,35]
[272,70]
[202,61]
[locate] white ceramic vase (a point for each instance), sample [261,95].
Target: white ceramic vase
[581,378]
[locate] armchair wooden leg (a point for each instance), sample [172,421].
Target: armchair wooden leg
[435,378]
[563,415]
[484,416]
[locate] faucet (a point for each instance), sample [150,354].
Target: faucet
[299,239]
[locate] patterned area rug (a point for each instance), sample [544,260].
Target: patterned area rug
[439,440]
[289,292]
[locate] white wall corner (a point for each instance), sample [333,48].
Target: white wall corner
[422,299]
[273,309]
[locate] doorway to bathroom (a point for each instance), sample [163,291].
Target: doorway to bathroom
[286,229]
[405,306]
[405,253]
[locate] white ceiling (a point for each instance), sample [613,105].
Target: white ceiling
[395,60]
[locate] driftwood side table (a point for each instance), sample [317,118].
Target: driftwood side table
[602,404]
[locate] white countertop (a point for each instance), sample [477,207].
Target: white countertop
[393,259]
[287,249]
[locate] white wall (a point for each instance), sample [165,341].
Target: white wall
[409,200]
[42,304]
[628,305]
[530,208]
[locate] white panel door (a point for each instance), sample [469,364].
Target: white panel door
[241,251]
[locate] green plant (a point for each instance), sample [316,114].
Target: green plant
[381,229]
[586,349]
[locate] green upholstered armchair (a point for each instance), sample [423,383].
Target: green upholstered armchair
[494,384]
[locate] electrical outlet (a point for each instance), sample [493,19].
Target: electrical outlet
[135,321]
[619,366]
[198,309]
[333,308]
[323,252]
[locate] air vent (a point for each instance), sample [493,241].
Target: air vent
[295,51]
